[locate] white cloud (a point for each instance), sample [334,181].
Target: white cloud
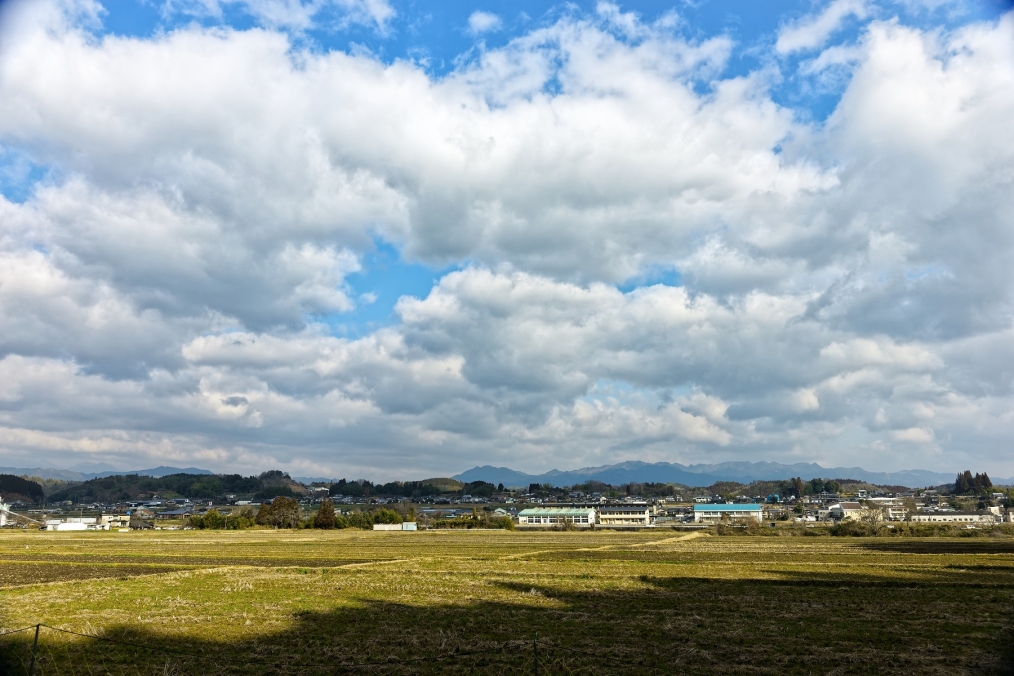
[292,15]
[483,22]
[813,30]
[842,285]
[916,435]
[805,400]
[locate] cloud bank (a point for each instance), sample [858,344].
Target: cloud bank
[650,258]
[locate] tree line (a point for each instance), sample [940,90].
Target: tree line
[814,486]
[119,488]
[966,484]
[408,489]
[285,512]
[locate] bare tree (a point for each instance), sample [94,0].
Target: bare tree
[872,515]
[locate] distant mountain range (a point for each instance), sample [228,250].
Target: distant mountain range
[705,475]
[621,473]
[71,475]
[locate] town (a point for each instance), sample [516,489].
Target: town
[182,502]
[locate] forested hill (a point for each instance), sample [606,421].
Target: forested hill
[195,486]
[14,488]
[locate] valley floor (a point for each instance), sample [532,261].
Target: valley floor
[315,602]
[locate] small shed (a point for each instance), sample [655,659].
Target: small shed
[407,525]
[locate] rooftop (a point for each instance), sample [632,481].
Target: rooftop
[553,511]
[753,507]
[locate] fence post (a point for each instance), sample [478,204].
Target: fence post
[535,653]
[35,645]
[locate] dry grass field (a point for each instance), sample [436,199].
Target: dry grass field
[312,602]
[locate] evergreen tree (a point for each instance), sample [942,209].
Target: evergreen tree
[325,517]
[965,483]
[983,481]
[797,487]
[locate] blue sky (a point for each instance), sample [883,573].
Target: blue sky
[387,238]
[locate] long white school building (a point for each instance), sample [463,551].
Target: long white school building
[715,513]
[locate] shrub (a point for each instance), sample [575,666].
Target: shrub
[215,520]
[477,521]
[859,529]
[212,519]
[241,520]
[365,520]
[384,515]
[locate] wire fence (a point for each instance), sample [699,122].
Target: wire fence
[45,650]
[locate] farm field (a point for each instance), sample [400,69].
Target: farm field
[329,602]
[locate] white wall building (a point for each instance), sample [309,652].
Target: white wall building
[625,515]
[893,508]
[583,517]
[74,523]
[108,521]
[845,511]
[984,518]
[406,525]
[716,513]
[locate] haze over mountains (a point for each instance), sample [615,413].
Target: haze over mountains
[620,473]
[704,474]
[72,475]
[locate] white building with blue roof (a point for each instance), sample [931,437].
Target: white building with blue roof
[715,513]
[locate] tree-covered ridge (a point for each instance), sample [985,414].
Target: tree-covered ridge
[15,488]
[198,486]
[410,489]
[266,486]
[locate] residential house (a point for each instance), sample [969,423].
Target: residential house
[115,521]
[843,511]
[181,513]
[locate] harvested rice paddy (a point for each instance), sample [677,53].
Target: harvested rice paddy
[313,602]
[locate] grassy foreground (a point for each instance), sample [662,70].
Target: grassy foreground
[313,602]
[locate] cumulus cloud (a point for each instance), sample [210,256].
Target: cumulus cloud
[168,291]
[483,22]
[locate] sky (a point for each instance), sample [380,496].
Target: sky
[394,239]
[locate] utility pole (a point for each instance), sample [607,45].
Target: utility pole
[35,646]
